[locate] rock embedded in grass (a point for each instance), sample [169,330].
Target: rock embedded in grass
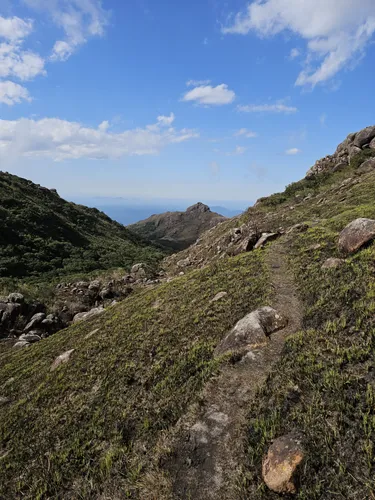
[356,234]
[281,465]
[62,359]
[333,263]
[252,329]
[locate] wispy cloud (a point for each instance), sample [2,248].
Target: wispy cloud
[244,132]
[267,108]
[335,37]
[292,151]
[61,140]
[210,96]
[197,83]
[239,150]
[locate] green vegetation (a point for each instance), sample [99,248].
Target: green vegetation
[324,384]
[43,235]
[92,427]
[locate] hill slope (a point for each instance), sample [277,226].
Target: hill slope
[42,234]
[110,421]
[178,230]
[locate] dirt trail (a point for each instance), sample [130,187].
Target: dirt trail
[209,443]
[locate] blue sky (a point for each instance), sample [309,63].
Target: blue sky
[197,100]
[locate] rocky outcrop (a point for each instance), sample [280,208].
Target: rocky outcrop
[178,230]
[356,234]
[282,464]
[352,146]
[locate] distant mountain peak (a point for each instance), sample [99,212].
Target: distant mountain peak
[198,207]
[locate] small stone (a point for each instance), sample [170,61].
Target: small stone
[333,263]
[62,359]
[219,296]
[3,400]
[282,463]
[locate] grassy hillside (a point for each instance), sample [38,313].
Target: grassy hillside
[42,234]
[90,427]
[98,426]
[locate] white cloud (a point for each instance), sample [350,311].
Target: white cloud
[18,63]
[294,53]
[12,93]
[166,120]
[239,150]
[59,140]
[336,34]
[14,28]
[79,19]
[268,108]
[210,96]
[197,83]
[292,151]
[323,119]
[243,132]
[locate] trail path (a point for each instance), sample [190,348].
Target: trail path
[210,440]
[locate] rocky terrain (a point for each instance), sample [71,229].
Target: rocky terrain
[244,370]
[177,230]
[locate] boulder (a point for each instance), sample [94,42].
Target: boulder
[184,262]
[30,337]
[20,344]
[94,286]
[252,329]
[356,234]
[84,316]
[35,321]
[138,271]
[219,296]
[265,238]
[366,167]
[333,263]
[282,464]
[365,136]
[17,298]
[62,359]
[372,144]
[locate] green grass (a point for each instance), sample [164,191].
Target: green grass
[324,385]
[91,427]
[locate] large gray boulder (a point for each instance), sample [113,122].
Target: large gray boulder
[84,316]
[364,137]
[253,328]
[356,234]
[35,321]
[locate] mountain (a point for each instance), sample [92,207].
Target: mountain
[249,375]
[42,234]
[177,230]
